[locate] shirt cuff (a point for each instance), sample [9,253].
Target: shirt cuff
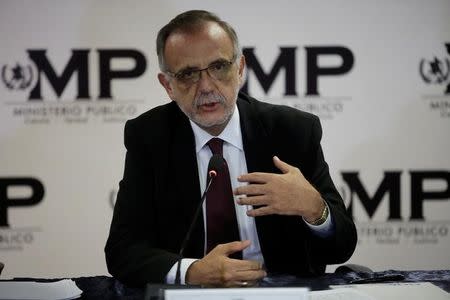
[324,230]
[185,264]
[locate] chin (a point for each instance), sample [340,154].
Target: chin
[211,124]
[211,121]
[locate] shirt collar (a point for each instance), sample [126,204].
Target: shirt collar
[231,134]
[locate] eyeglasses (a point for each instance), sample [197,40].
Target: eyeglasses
[220,70]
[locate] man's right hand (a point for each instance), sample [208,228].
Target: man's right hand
[217,269]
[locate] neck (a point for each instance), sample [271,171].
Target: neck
[215,130]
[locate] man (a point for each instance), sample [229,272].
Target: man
[290,217]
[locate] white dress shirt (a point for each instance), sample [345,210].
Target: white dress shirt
[233,153]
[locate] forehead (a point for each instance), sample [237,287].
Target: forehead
[198,47]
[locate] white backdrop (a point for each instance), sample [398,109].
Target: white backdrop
[382,120]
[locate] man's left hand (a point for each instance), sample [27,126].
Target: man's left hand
[288,193]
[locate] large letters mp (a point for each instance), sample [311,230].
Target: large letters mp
[37,194]
[287,60]
[391,185]
[79,63]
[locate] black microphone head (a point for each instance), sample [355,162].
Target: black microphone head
[216,164]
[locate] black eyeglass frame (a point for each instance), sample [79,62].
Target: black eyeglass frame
[195,78]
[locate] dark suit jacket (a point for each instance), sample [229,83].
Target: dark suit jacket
[160,191]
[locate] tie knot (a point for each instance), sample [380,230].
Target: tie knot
[215,144]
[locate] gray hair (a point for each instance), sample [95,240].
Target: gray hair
[189,21]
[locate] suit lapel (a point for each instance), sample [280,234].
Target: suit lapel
[258,154]
[257,146]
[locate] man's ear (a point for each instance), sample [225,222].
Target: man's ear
[241,70]
[164,81]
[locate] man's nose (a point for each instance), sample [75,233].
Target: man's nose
[205,81]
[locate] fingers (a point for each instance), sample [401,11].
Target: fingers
[256,177]
[288,193]
[251,189]
[217,269]
[254,200]
[238,264]
[243,273]
[253,275]
[262,211]
[285,167]
[247,265]
[261,177]
[281,165]
[264,201]
[230,248]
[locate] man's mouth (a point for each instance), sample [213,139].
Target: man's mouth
[209,106]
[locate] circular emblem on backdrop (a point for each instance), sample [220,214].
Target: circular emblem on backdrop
[18,77]
[435,71]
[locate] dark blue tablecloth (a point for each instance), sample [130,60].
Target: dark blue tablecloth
[104,287]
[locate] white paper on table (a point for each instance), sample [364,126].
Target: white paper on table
[340,294]
[262,293]
[29,290]
[398,290]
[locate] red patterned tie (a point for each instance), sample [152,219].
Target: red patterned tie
[221,220]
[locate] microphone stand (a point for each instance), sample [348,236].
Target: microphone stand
[212,174]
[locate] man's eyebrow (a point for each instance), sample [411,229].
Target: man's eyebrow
[219,60]
[191,68]
[187,68]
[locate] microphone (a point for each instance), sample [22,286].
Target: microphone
[215,164]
